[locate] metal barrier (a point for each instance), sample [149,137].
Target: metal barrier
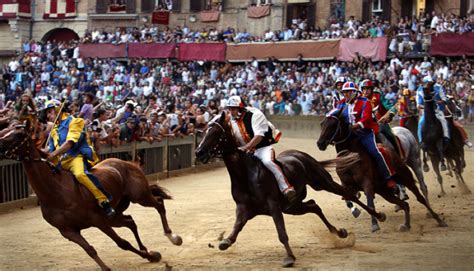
[13,182]
[167,155]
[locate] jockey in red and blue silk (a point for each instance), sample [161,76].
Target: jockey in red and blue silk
[357,111]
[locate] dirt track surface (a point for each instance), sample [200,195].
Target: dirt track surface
[203,209]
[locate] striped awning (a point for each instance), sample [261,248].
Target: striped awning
[15,8]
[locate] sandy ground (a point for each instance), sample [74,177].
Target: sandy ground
[203,208]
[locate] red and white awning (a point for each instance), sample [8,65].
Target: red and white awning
[15,8]
[59,9]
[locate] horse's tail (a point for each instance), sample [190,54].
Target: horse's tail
[159,191]
[344,161]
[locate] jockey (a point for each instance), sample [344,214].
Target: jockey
[405,106]
[70,148]
[254,133]
[440,98]
[457,124]
[358,113]
[336,93]
[383,111]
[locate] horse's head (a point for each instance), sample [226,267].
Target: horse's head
[452,107]
[216,139]
[332,130]
[428,88]
[15,142]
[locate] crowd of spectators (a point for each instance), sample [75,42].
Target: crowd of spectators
[148,100]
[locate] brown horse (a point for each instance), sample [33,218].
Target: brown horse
[70,207]
[255,189]
[362,174]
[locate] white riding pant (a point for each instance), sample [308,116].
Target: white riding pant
[267,156]
[444,123]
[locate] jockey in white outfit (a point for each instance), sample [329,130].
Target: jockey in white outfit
[254,133]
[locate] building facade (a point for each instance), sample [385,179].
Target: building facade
[24,20]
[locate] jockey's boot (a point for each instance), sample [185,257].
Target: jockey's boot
[468,144]
[290,194]
[403,194]
[109,211]
[393,186]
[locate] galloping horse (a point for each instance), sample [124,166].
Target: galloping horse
[432,134]
[455,152]
[255,190]
[411,151]
[70,207]
[361,174]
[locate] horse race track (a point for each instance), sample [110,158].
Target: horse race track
[203,208]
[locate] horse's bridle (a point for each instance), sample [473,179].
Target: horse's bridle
[12,153]
[217,150]
[338,129]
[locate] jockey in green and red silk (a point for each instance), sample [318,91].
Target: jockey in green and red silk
[357,111]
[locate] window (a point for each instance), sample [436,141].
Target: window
[377,6]
[196,5]
[260,2]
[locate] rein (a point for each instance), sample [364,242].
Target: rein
[338,129]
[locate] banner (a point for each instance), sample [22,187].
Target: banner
[310,50]
[59,9]
[258,11]
[202,51]
[102,50]
[209,16]
[13,8]
[452,44]
[160,17]
[372,48]
[152,50]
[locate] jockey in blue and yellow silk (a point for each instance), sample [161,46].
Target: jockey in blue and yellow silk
[440,97]
[357,111]
[70,149]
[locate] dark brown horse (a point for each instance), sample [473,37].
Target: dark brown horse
[362,174]
[70,207]
[255,189]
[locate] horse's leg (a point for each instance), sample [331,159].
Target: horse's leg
[412,187]
[125,245]
[337,189]
[158,204]
[390,197]
[439,148]
[276,213]
[435,164]
[127,221]
[76,237]
[426,168]
[415,164]
[354,210]
[312,207]
[370,202]
[458,169]
[241,217]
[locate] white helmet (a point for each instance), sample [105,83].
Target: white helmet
[235,101]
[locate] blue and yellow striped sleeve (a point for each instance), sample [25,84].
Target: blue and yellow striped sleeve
[76,127]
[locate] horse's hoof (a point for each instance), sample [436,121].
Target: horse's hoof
[176,239]
[403,228]
[154,256]
[225,244]
[382,217]
[397,208]
[375,227]
[288,261]
[356,212]
[442,224]
[442,194]
[443,167]
[342,233]
[426,168]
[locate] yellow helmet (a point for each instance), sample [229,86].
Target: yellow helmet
[406,92]
[53,104]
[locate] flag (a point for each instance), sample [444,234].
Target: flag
[59,9]
[13,8]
